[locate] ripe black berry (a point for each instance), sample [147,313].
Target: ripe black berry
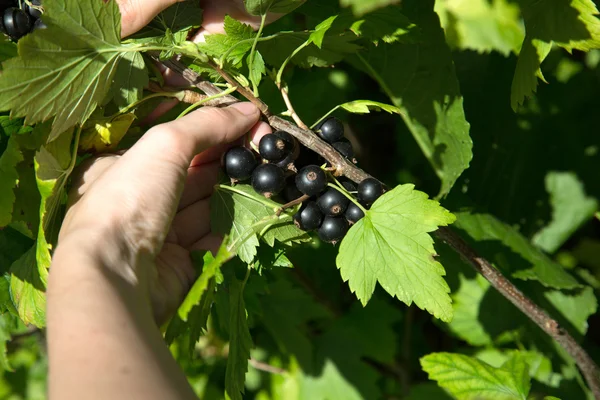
[309,217]
[344,147]
[347,184]
[239,163]
[291,192]
[16,23]
[333,203]
[285,136]
[354,213]
[34,12]
[287,164]
[333,229]
[39,24]
[311,180]
[369,190]
[331,130]
[273,148]
[268,179]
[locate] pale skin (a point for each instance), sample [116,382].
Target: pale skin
[122,266]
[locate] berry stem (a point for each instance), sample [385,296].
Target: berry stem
[505,287]
[206,100]
[292,203]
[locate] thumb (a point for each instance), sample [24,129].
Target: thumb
[135,14]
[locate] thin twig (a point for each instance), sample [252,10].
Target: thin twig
[343,167]
[291,204]
[286,98]
[266,367]
[587,366]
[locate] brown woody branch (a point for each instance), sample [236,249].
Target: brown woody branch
[343,167]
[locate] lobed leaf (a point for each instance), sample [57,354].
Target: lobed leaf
[467,378]
[391,246]
[9,177]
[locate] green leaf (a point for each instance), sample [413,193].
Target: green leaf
[236,42]
[209,266]
[575,307]
[240,342]
[27,289]
[391,245]
[66,70]
[516,255]
[468,378]
[13,126]
[570,25]
[388,24]
[571,208]
[13,244]
[318,35]
[261,7]
[7,324]
[365,107]
[105,134]
[333,49]
[482,25]
[257,69]
[132,78]
[241,213]
[360,7]
[467,309]
[9,177]
[420,79]
[177,20]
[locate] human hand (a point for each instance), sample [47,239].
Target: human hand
[141,214]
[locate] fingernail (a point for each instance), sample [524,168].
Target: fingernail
[245,108]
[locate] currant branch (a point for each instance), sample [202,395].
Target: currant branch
[342,166]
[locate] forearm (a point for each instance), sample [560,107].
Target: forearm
[102,340]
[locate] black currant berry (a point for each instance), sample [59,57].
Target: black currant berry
[268,179]
[369,190]
[273,148]
[287,164]
[344,147]
[285,136]
[333,203]
[354,213]
[309,217]
[239,163]
[16,23]
[39,24]
[347,184]
[333,229]
[330,130]
[290,191]
[34,12]
[311,180]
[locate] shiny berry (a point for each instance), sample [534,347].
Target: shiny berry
[309,217]
[290,191]
[331,130]
[16,23]
[344,147]
[39,24]
[239,163]
[273,148]
[333,203]
[348,184]
[34,12]
[354,213]
[268,179]
[311,180]
[333,229]
[369,190]
[285,136]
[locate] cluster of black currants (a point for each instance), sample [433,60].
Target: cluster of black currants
[19,17]
[293,173]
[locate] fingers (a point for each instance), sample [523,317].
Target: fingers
[140,192]
[135,14]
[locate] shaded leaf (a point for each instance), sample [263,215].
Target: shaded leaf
[105,135]
[9,177]
[360,7]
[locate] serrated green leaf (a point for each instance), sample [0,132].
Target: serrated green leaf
[571,208]
[570,25]
[66,70]
[242,214]
[420,79]
[9,177]
[490,232]
[13,126]
[261,7]
[209,266]
[318,35]
[365,107]
[482,25]
[467,308]
[391,245]
[240,342]
[468,378]
[257,69]
[132,78]
[178,19]
[27,289]
[236,42]
[360,7]
[575,307]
